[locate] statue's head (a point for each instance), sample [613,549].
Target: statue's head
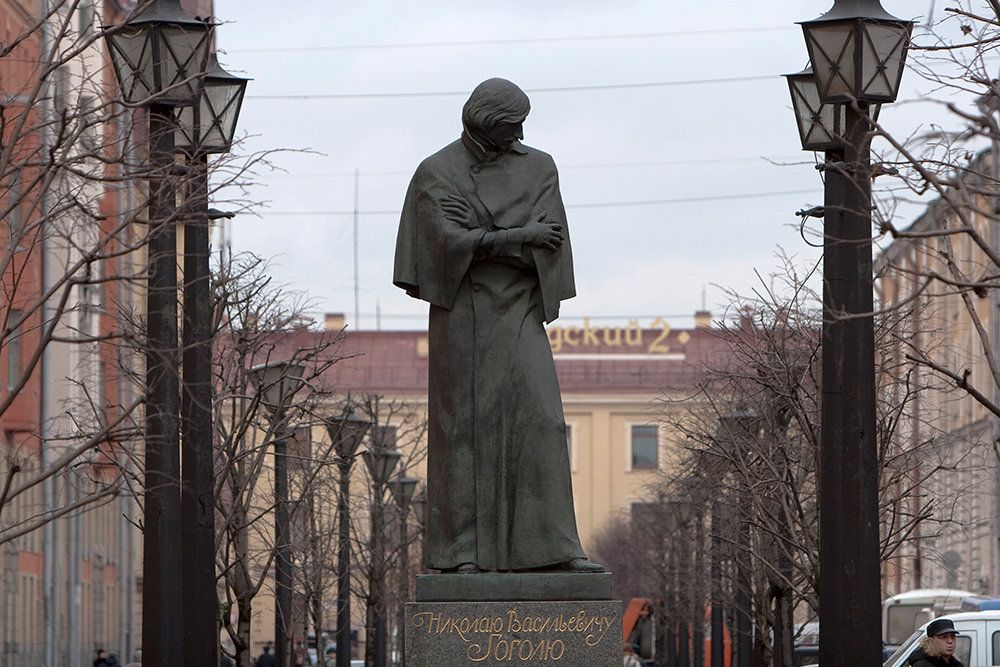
[494,113]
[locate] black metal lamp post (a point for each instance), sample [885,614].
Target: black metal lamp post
[717,658]
[159,55]
[419,504]
[736,427]
[381,460]
[346,433]
[858,52]
[683,511]
[698,612]
[204,128]
[403,489]
[277,383]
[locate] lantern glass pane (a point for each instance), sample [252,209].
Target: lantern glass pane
[222,102]
[183,57]
[209,126]
[187,128]
[353,433]
[389,460]
[882,54]
[291,381]
[132,57]
[831,49]
[818,122]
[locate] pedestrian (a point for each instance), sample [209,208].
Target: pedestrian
[331,657]
[630,659]
[102,658]
[266,659]
[937,649]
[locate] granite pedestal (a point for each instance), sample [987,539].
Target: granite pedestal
[497,618]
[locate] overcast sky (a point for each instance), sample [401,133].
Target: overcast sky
[669,188]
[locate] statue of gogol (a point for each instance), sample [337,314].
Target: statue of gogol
[483,239]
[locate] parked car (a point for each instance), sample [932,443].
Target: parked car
[978,642]
[904,613]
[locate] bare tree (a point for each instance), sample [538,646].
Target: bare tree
[255,321]
[750,445]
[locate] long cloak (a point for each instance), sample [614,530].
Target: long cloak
[499,487]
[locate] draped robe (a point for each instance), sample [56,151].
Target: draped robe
[498,480]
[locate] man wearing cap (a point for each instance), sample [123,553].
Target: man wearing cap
[938,647]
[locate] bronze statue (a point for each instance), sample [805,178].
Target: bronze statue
[483,238]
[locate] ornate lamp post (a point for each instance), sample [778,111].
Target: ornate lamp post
[403,489]
[206,127]
[159,55]
[346,433]
[683,511]
[736,427]
[381,460]
[858,51]
[277,383]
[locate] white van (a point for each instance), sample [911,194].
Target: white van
[978,642]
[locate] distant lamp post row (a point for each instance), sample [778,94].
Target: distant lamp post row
[858,52]
[162,61]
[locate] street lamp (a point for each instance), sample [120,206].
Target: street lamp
[346,433]
[738,426]
[821,124]
[858,52]
[381,460]
[277,382]
[158,55]
[681,592]
[419,504]
[403,489]
[203,128]
[209,126]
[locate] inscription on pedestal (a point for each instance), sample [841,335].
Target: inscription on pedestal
[585,633]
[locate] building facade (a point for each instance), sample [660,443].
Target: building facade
[617,382]
[936,279]
[68,538]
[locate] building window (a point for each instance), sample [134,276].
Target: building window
[15,216]
[85,16]
[90,127]
[645,442]
[60,89]
[13,344]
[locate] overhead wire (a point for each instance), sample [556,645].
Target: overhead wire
[512,40]
[589,205]
[550,89]
[562,167]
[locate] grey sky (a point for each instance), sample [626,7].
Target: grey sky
[639,144]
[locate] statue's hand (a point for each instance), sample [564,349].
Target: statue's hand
[543,233]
